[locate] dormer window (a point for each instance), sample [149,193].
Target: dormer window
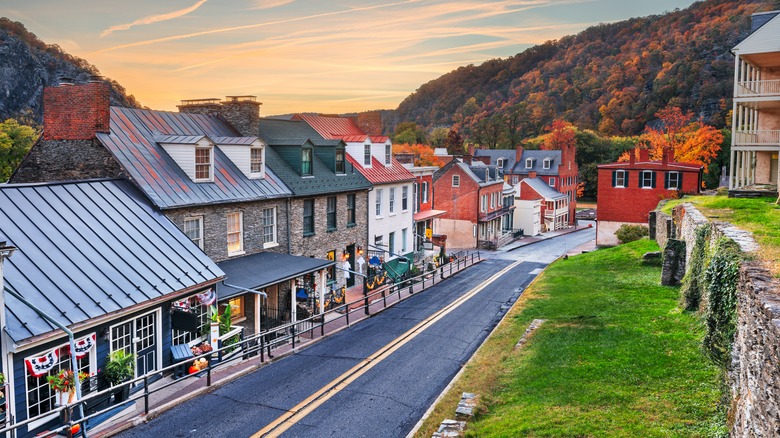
[306,162]
[487,174]
[340,161]
[256,161]
[529,163]
[500,162]
[546,163]
[204,164]
[367,154]
[388,154]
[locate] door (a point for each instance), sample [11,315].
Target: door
[773,169]
[351,253]
[139,337]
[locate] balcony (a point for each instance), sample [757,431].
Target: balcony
[757,138]
[757,88]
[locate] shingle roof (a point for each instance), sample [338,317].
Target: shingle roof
[538,163]
[542,188]
[88,249]
[322,181]
[291,132]
[378,173]
[133,141]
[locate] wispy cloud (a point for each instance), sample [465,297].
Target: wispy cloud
[269,4]
[154,18]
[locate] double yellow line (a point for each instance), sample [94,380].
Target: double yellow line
[302,409]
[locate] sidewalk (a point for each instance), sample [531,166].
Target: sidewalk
[530,240]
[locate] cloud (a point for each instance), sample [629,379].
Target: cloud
[269,4]
[154,18]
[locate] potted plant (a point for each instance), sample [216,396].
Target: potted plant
[64,382]
[119,369]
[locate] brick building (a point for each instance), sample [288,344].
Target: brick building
[424,214]
[628,191]
[473,199]
[553,205]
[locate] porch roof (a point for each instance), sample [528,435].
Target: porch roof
[264,269]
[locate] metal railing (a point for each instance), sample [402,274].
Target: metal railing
[260,345]
[757,88]
[764,137]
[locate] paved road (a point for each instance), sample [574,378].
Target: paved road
[388,399]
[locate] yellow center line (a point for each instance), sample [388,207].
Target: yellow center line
[302,409]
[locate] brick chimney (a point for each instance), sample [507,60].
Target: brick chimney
[532,174]
[518,153]
[632,157]
[76,112]
[471,149]
[644,155]
[370,122]
[665,156]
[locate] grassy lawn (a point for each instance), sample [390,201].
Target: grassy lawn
[761,216]
[616,357]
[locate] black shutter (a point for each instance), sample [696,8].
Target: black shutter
[641,178]
[625,178]
[667,176]
[652,179]
[679,181]
[614,178]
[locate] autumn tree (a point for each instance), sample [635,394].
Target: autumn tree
[561,134]
[454,143]
[15,140]
[489,131]
[423,154]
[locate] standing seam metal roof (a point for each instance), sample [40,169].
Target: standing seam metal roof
[88,249]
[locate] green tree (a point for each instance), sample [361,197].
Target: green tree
[410,133]
[438,136]
[15,140]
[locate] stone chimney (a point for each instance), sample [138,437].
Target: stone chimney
[518,153]
[76,112]
[644,155]
[242,112]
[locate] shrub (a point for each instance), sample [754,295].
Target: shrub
[721,277]
[120,367]
[694,286]
[629,233]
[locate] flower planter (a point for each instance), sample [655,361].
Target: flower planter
[121,394]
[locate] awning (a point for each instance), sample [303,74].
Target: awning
[264,269]
[427,214]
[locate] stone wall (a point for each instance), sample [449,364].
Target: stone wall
[66,160]
[754,374]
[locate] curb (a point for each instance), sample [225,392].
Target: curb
[549,238]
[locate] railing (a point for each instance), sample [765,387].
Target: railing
[757,88]
[756,137]
[261,344]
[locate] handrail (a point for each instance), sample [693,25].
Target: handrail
[757,88]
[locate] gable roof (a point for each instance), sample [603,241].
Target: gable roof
[538,157]
[90,249]
[342,128]
[133,141]
[542,188]
[322,181]
[494,154]
[762,40]
[476,172]
[378,173]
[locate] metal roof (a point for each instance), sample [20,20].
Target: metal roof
[323,180]
[338,128]
[378,173]
[277,267]
[542,188]
[133,142]
[537,166]
[89,249]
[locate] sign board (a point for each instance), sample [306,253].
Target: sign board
[428,246]
[428,233]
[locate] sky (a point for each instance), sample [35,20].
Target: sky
[333,56]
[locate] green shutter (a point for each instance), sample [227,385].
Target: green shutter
[614,178]
[652,179]
[625,176]
[667,175]
[679,181]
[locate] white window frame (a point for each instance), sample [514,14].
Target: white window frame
[620,178]
[405,198]
[492,201]
[210,164]
[388,155]
[391,202]
[199,220]
[676,180]
[646,183]
[455,180]
[274,237]
[529,163]
[367,155]
[391,244]
[425,187]
[500,163]
[378,203]
[253,161]
[552,181]
[483,203]
[404,236]
[546,163]
[515,180]
[239,232]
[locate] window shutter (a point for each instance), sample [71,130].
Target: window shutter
[679,181]
[614,178]
[652,179]
[641,178]
[625,178]
[667,175]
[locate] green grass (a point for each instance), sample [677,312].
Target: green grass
[616,357]
[760,216]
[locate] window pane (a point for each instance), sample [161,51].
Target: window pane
[405,198]
[306,161]
[351,209]
[308,216]
[269,225]
[332,213]
[379,202]
[340,161]
[388,154]
[234,241]
[367,155]
[202,163]
[392,200]
[256,160]
[193,230]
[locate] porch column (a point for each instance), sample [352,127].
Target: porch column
[294,306]
[321,290]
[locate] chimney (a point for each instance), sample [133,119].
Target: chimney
[644,155]
[632,157]
[671,155]
[242,112]
[518,153]
[370,122]
[532,174]
[665,156]
[471,149]
[76,112]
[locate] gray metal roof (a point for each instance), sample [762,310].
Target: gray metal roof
[538,162]
[244,272]
[542,188]
[133,141]
[89,249]
[494,154]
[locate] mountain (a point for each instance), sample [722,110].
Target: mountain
[27,65]
[611,77]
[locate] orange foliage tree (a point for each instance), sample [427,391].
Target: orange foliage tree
[692,141]
[423,154]
[561,133]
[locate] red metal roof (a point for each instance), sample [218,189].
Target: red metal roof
[338,128]
[428,214]
[378,173]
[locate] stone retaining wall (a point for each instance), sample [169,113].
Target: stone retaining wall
[754,374]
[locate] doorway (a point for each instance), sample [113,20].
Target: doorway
[351,255]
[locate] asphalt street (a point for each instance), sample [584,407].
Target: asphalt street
[388,399]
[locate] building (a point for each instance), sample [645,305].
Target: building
[390,216]
[204,168]
[558,168]
[629,191]
[99,259]
[424,214]
[547,208]
[473,199]
[755,141]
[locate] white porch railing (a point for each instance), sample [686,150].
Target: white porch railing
[758,88]
[744,138]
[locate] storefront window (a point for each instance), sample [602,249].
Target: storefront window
[202,312]
[40,397]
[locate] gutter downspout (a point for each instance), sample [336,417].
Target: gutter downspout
[73,361]
[287,206]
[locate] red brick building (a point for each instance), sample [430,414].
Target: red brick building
[629,191]
[554,204]
[472,197]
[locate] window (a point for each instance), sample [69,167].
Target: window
[378,202]
[202,314]
[391,243]
[619,178]
[425,193]
[308,217]
[515,180]
[269,227]
[416,188]
[404,235]
[647,179]
[529,163]
[483,206]
[350,209]
[500,162]
[391,204]
[552,181]
[546,163]
[340,168]
[492,200]
[378,241]
[455,180]
[331,213]
[256,160]
[367,154]
[404,198]
[388,155]
[235,233]
[236,308]
[203,164]
[673,180]
[306,161]
[40,397]
[193,228]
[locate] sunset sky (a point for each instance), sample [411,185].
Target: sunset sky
[300,55]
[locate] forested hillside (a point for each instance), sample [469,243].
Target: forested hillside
[27,65]
[611,78]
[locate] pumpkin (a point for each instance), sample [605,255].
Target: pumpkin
[193,369]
